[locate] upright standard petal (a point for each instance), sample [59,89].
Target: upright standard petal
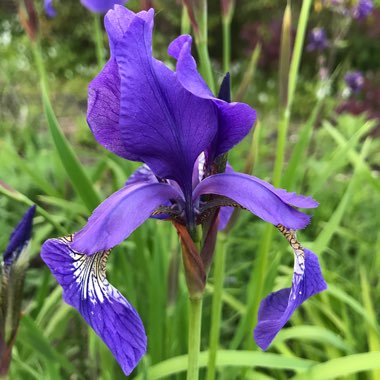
[276,309]
[117,22]
[251,194]
[103,109]
[85,287]
[162,124]
[101,6]
[235,120]
[20,237]
[120,214]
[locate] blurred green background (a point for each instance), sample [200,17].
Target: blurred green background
[332,153]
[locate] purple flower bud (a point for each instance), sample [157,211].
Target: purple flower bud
[317,40]
[362,9]
[354,80]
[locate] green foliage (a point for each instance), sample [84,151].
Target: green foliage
[333,157]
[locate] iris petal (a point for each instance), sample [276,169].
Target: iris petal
[162,124]
[235,120]
[276,309]
[120,214]
[86,288]
[104,109]
[261,200]
[20,237]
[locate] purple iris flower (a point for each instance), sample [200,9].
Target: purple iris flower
[20,238]
[96,6]
[354,80]
[143,111]
[317,40]
[362,9]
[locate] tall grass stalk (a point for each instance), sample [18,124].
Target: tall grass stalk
[216,311]
[98,40]
[195,325]
[283,125]
[257,279]
[201,40]
[74,169]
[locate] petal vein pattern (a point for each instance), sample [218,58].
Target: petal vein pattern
[262,200]
[162,124]
[277,308]
[85,287]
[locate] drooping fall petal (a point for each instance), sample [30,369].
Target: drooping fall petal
[85,287]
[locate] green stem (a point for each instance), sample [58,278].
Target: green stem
[257,279]
[98,39]
[195,322]
[282,133]
[205,66]
[226,27]
[220,258]
[201,41]
[185,21]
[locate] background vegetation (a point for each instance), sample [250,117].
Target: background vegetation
[330,154]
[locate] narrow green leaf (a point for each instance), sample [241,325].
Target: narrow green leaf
[31,335]
[332,225]
[229,358]
[344,366]
[70,161]
[312,333]
[299,151]
[372,335]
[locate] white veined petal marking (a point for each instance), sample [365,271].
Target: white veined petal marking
[299,257]
[90,273]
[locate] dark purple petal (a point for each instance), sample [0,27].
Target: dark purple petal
[103,112]
[120,214]
[235,120]
[293,199]
[101,6]
[49,9]
[276,309]
[20,237]
[186,69]
[162,124]
[85,287]
[261,200]
[117,22]
[104,109]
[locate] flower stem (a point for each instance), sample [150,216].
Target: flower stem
[98,39]
[226,25]
[206,68]
[201,40]
[220,256]
[195,323]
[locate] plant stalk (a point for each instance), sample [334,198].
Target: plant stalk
[194,342]
[98,40]
[219,269]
